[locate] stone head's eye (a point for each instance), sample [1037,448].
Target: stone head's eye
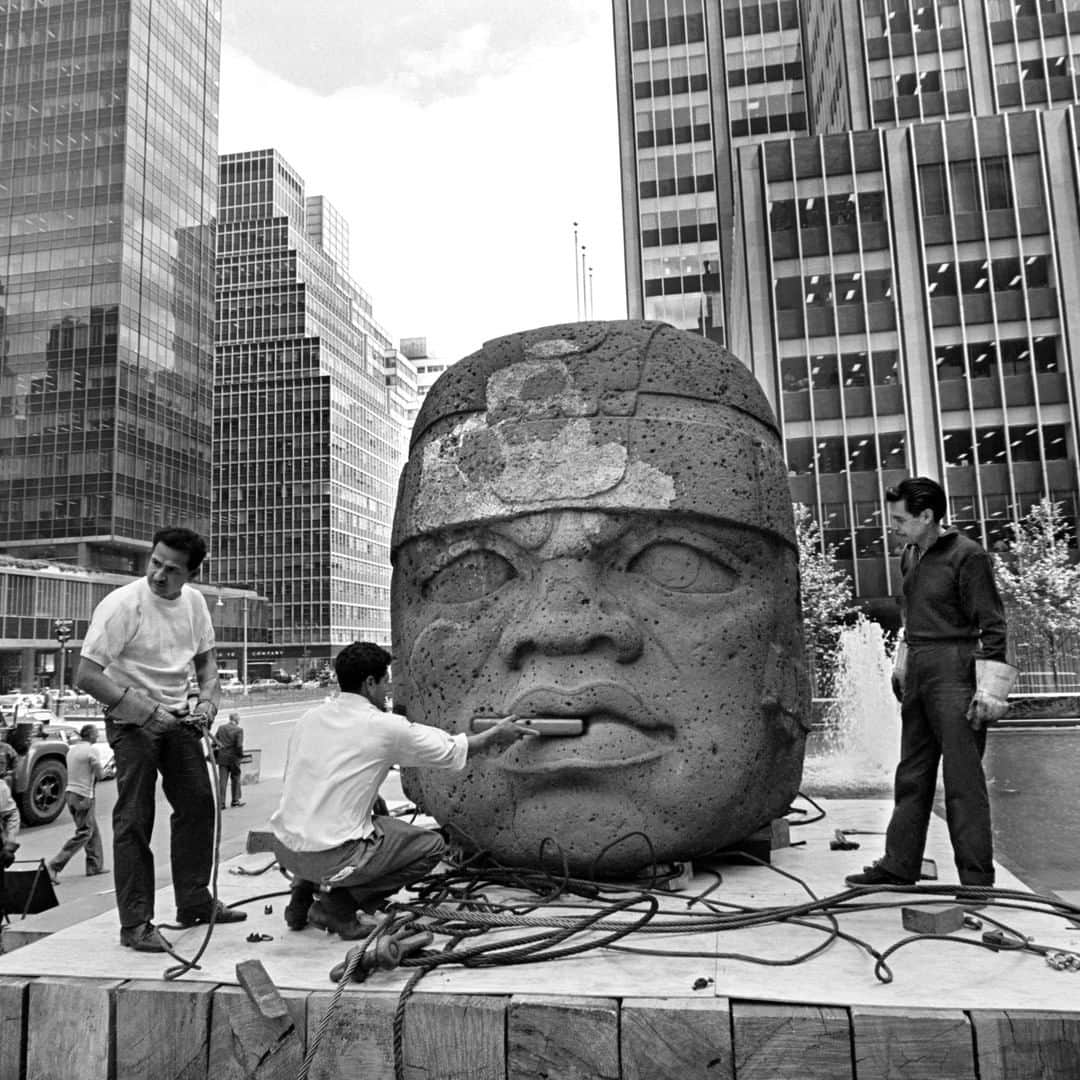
[682,568]
[469,577]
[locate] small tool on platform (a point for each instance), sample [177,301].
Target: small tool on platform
[542,725]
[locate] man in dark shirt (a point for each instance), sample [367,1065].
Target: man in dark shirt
[954,682]
[230,751]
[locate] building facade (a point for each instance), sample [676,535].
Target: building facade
[898,281]
[108,121]
[308,437]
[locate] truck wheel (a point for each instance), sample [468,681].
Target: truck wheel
[43,799]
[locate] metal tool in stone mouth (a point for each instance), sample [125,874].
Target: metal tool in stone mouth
[559,726]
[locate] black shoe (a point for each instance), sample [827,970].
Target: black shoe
[187,917]
[354,928]
[143,938]
[301,896]
[96,873]
[877,875]
[239,802]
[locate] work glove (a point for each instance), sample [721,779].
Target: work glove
[7,853]
[899,670]
[201,718]
[160,721]
[993,681]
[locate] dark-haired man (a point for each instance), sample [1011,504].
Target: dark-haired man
[144,638]
[338,756]
[954,682]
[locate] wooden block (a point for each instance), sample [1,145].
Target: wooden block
[359,1038]
[13,1012]
[932,920]
[780,833]
[259,840]
[676,1039]
[773,1041]
[260,988]
[71,1028]
[1031,1044]
[572,1038]
[912,1044]
[455,1037]
[245,1045]
[163,1029]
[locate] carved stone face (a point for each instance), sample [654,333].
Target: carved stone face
[556,558]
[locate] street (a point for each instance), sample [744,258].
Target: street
[266,725]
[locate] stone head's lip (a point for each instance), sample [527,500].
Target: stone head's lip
[611,700]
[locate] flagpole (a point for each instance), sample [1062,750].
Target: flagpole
[577,280]
[583,279]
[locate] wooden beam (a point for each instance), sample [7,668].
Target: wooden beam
[71,1028]
[359,1038]
[246,1045]
[907,1044]
[676,1039]
[13,1013]
[774,1041]
[1029,1043]
[572,1038]
[455,1037]
[163,1029]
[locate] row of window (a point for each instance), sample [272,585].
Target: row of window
[822,371]
[985,359]
[997,445]
[765,17]
[763,73]
[687,225]
[660,77]
[675,174]
[978,276]
[682,274]
[676,28]
[847,453]
[669,127]
[988,184]
[829,290]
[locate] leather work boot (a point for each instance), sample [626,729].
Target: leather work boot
[143,938]
[338,915]
[301,896]
[187,917]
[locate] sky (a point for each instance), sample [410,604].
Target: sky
[460,139]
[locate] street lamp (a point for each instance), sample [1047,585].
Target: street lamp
[243,672]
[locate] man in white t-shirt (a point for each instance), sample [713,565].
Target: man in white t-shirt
[339,754]
[143,639]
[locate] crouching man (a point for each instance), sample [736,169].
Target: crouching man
[340,752]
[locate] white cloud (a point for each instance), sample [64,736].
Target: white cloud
[460,209]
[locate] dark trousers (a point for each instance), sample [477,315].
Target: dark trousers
[180,756]
[228,776]
[368,870]
[86,836]
[934,727]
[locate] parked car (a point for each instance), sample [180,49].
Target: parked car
[233,686]
[38,778]
[68,730]
[262,685]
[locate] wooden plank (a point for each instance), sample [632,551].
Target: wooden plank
[455,1037]
[774,1041]
[71,1028]
[245,1045]
[572,1038]
[163,1029]
[13,1013]
[908,1044]
[358,1040]
[1031,1044]
[676,1039]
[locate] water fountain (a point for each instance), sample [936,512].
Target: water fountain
[856,751]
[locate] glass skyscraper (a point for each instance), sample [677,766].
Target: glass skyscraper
[108,191]
[309,437]
[899,277]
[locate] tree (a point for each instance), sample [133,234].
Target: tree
[827,596]
[1038,581]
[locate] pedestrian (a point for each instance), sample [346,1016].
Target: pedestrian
[230,751]
[84,771]
[9,842]
[952,680]
[339,753]
[142,640]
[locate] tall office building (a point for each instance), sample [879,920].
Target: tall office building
[899,281]
[308,437]
[108,122]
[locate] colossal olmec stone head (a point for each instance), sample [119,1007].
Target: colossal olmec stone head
[594,522]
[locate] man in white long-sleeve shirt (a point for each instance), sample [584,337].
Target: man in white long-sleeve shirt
[338,756]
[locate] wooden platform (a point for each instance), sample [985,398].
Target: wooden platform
[77,1005]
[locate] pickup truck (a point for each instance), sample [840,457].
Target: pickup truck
[37,775]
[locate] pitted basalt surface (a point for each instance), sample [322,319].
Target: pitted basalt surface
[594,522]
